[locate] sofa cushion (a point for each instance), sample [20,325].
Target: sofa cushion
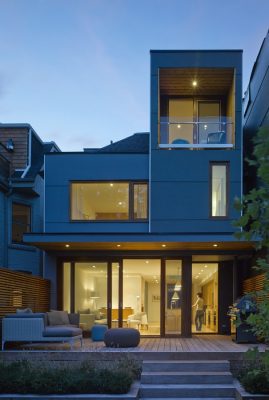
[61,331]
[56,317]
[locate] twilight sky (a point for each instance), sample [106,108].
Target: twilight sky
[78,70]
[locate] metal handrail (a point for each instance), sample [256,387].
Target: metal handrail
[195,123]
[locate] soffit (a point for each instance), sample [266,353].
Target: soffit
[210,81]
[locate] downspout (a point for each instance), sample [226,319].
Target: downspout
[29,161]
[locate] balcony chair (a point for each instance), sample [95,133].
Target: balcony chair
[216,137]
[180,141]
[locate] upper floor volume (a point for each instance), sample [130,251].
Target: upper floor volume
[196,99]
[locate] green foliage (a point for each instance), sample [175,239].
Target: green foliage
[25,378]
[255,205]
[255,377]
[254,224]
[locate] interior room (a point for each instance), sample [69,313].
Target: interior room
[205,281]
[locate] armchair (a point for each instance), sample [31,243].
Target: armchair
[138,320]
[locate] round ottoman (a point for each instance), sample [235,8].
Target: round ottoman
[122,337]
[98,332]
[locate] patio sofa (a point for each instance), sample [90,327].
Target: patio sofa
[54,326]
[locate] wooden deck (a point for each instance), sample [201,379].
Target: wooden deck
[196,344]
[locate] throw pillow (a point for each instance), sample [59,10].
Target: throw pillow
[24,311]
[56,317]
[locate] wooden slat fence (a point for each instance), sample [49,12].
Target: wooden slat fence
[253,284]
[20,290]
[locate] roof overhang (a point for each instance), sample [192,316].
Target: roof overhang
[126,241]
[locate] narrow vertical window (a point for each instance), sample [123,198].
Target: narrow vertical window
[140,201]
[21,221]
[219,204]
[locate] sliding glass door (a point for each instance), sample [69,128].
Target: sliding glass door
[152,295]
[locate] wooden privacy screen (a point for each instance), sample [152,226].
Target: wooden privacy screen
[20,290]
[253,284]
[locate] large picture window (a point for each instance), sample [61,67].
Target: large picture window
[21,221]
[219,183]
[104,201]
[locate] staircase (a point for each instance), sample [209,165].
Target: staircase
[186,380]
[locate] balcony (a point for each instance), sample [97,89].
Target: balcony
[196,108]
[209,133]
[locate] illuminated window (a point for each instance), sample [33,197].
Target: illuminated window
[104,201]
[219,204]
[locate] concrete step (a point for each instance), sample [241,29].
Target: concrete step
[186,391]
[188,398]
[200,377]
[194,366]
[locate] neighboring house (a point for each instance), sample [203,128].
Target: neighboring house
[133,231]
[256,108]
[21,195]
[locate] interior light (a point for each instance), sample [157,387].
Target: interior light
[147,261]
[93,266]
[194,83]
[205,266]
[118,245]
[202,270]
[205,127]
[179,126]
[67,245]
[163,245]
[111,184]
[120,203]
[215,245]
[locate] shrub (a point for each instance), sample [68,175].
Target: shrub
[255,374]
[23,377]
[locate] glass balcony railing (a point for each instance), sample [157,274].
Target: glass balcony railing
[207,132]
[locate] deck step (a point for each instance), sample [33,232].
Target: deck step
[194,366]
[186,377]
[187,391]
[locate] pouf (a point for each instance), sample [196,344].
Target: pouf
[98,332]
[122,337]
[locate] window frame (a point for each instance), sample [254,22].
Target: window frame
[227,165]
[29,206]
[130,205]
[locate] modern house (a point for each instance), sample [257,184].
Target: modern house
[21,195]
[141,226]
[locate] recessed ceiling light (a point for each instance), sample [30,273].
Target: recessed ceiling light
[118,245]
[120,203]
[111,184]
[93,266]
[179,126]
[67,245]
[215,245]
[163,245]
[194,83]
[205,266]
[147,261]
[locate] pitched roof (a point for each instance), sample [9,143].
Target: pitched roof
[137,143]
